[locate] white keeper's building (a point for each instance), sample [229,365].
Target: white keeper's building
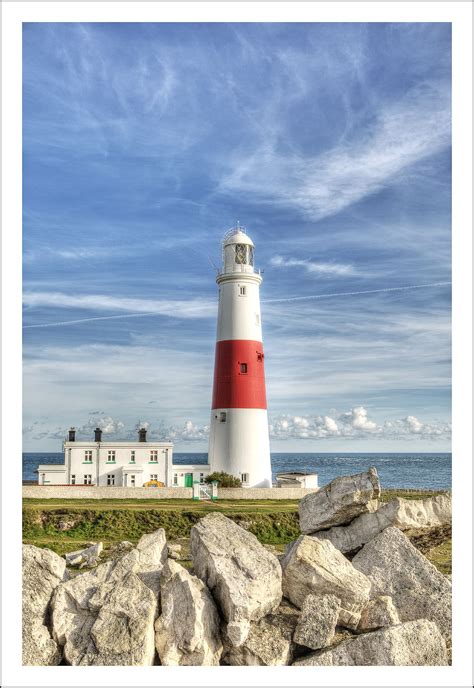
[119,464]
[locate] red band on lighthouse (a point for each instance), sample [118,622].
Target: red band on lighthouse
[239,376]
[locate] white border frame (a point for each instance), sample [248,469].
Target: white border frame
[460,14]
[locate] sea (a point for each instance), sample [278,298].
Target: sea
[405,470]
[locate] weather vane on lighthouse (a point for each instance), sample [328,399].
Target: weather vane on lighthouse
[238,441]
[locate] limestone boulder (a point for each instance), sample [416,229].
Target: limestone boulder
[340,501]
[402,513]
[86,607]
[85,557]
[317,624]
[312,566]
[414,643]
[377,613]
[102,619]
[269,642]
[188,631]
[244,578]
[123,632]
[152,556]
[397,569]
[42,571]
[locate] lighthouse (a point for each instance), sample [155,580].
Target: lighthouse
[238,441]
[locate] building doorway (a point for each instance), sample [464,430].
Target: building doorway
[188,480]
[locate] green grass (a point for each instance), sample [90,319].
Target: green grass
[441,556]
[387,495]
[113,520]
[130,524]
[223,505]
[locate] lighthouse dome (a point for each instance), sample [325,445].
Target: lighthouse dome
[237,235]
[237,251]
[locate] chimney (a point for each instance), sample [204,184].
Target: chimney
[142,435]
[97,435]
[71,435]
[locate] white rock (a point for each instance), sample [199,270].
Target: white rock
[244,578]
[85,557]
[269,642]
[316,566]
[377,613]
[82,607]
[187,632]
[317,623]
[403,513]
[340,501]
[152,556]
[415,643]
[42,572]
[397,569]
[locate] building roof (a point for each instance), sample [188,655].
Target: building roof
[294,473]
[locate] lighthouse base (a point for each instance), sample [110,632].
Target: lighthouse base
[239,445]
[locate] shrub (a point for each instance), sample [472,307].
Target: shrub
[224,479]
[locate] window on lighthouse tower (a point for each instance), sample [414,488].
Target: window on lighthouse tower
[243,254]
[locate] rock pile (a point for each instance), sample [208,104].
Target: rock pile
[241,605]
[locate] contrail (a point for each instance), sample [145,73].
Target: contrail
[282,300]
[355,293]
[99,317]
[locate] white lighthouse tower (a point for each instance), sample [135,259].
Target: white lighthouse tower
[238,442]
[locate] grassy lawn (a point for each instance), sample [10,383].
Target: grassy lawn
[223,505]
[65,525]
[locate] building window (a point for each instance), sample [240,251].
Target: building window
[243,291]
[241,254]
[87,479]
[154,456]
[201,478]
[132,481]
[154,476]
[111,456]
[222,417]
[132,457]
[88,456]
[73,479]
[243,368]
[244,478]
[111,479]
[175,479]
[259,356]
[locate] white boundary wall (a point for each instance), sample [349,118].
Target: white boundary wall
[93,492]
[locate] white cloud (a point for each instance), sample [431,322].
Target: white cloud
[107,424]
[357,418]
[189,431]
[193,308]
[354,424]
[313,266]
[403,133]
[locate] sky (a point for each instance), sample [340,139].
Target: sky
[331,143]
